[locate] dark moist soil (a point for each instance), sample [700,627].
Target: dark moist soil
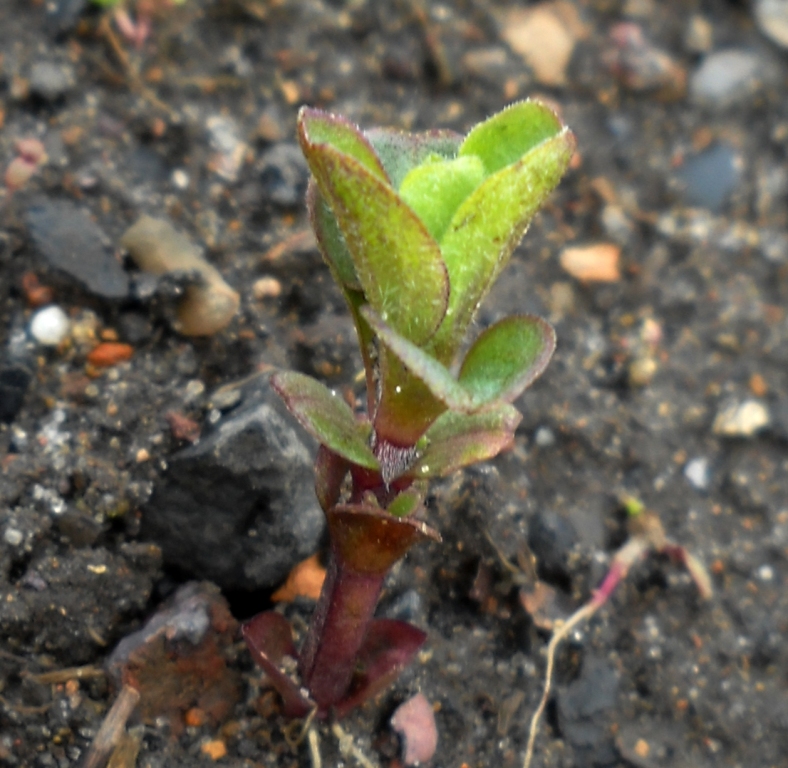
[658,678]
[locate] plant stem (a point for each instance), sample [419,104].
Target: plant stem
[338,629]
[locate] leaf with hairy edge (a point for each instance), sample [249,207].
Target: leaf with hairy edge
[326,417]
[507,358]
[397,262]
[435,376]
[317,127]
[505,137]
[488,226]
[457,439]
[330,239]
[400,152]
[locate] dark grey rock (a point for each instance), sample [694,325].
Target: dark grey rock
[708,178]
[62,15]
[14,380]
[73,243]
[283,175]
[51,80]
[239,507]
[551,538]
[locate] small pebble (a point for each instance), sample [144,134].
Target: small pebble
[617,224]
[110,353]
[49,326]
[71,242]
[544,437]
[13,537]
[697,472]
[545,36]
[226,398]
[592,263]
[699,35]
[283,175]
[641,371]
[765,573]
[157,247]
[727,77]
[414,720]
[709,178]
[180,179]
[741,419]
[266,288]
[771,16]
[642,67]
[51,81]
[194,389]
[230,149]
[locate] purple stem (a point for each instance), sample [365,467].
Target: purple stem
[339,627]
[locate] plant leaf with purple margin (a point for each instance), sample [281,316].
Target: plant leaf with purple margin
[318,127]
[458,439]
[507,358]
[398,263]
[506,136]
[326,417]
[435,376]
[488,226]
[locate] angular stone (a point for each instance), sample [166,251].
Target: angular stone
[71,242]
[239,507]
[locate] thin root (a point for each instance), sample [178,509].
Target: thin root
[581,614]
[348,747]
[314,747]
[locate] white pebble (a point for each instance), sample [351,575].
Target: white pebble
[741,419]
[765,573]
[697,472]
[266,288]
[13,537]
[544,437]
[180,179]
[49,326]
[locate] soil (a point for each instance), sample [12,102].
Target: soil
[198,125]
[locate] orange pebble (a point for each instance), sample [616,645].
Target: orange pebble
[110,353]
[37,295]
[194,717]
[215,749]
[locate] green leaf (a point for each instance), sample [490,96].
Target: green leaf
[488,226]
[316,127]
[397,262]
[326,417]
[456,439]
[423,366]
[507,358]
[505,137]
[435,190]
[330,239]
[405,504]
[400,151]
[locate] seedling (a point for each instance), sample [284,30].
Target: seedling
[136,28]
[646,536]
[415,228]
